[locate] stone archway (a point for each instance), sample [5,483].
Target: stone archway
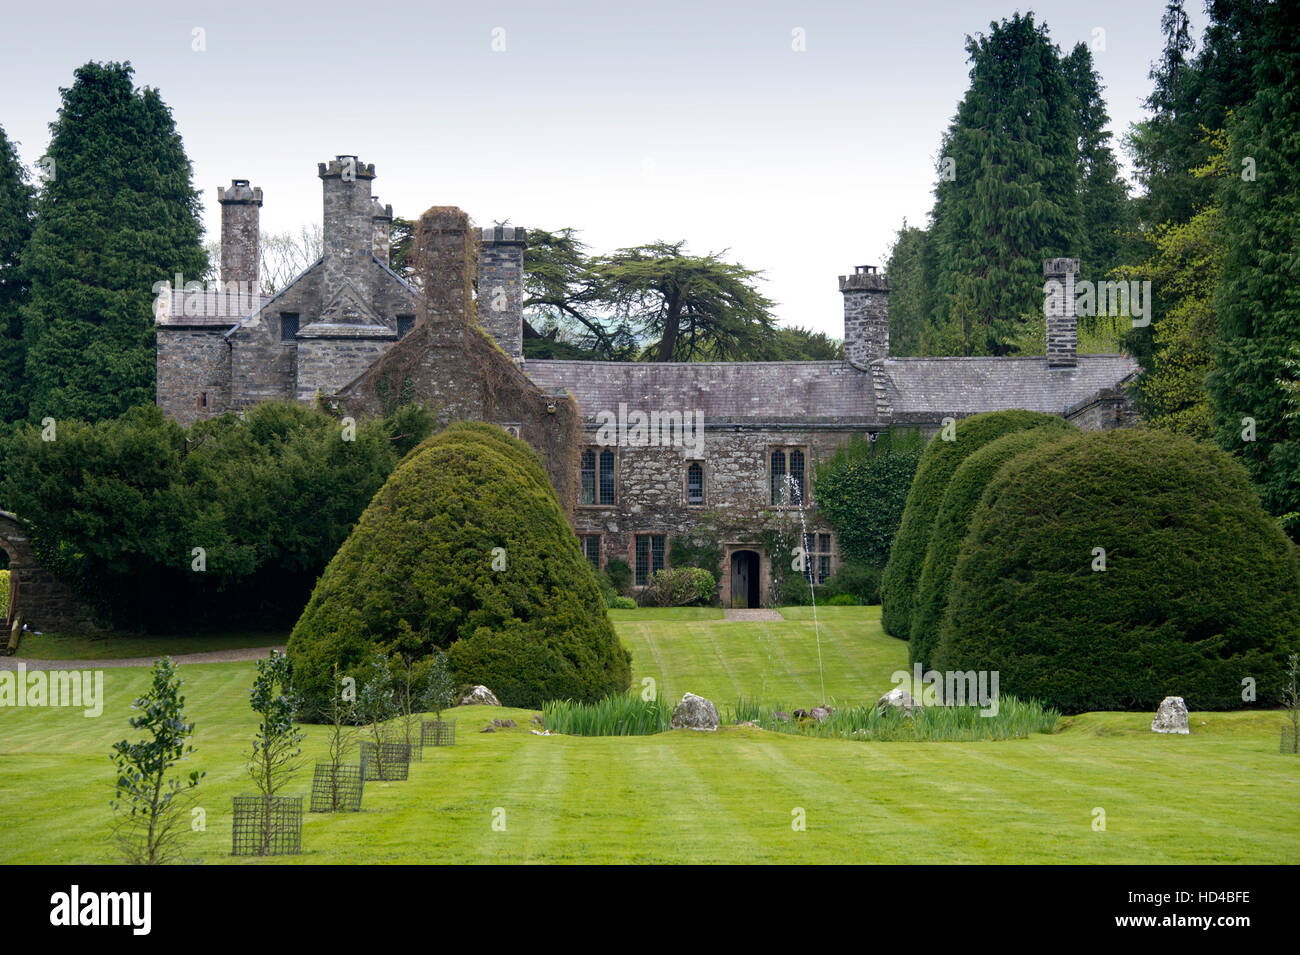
[745,588]
[46,603]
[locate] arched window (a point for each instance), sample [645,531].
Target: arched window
[778,477]
[695,483]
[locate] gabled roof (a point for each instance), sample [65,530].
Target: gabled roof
[960,386]
[756,390]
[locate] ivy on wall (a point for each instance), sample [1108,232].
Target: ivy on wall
[862,489]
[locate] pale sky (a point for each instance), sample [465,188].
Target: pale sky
[665,121]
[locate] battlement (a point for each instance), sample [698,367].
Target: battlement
[865,278]
[504,235]
[345,167]
[380,211]
[239,192]
[1060,267]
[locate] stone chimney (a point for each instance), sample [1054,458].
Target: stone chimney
[1059,276]
[444,255]
[382,221]
[866,316]
[240,221]
[348,225]
[501,286]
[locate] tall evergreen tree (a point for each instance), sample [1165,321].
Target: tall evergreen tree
[1258,298]
[119,214]
[1164,145]
[1103,199]
[16,204]
[910,269]
[1191,97]
[1012,198]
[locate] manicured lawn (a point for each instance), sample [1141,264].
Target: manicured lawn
[1223,794]
[49,646]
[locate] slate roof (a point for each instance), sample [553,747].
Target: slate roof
[210,308]
[758,390]
[905,389]
[918,386]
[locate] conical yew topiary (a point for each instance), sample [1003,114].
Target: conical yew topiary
[465,548]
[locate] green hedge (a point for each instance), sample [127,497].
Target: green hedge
[953,521]
[940,460]
[680,587]
[417,574]
[855,580]
[117,507]
[1200,589]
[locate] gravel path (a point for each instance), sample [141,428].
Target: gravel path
[730,614]
[210,656]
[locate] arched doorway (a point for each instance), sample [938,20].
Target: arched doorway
[745,579]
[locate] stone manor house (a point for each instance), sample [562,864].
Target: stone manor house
[354,336]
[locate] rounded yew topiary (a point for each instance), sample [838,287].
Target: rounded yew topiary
[941,458]
[1113,570]
[465,548]
[520,452]
[953,520]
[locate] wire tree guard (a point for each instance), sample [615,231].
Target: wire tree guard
[337,788]
[438,732]
[267,827]
[386,761]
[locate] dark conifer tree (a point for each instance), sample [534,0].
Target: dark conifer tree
[1103,199]
[17,199]
[1258,298]
[1010,196]
[118,214]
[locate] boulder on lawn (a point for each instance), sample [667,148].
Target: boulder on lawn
[1171,717]
[695,713]
[479,696]
[899,699]
[820,713]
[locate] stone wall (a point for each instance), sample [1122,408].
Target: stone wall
[45,603]
[1109,408]
[325,365]
[650,494]
[193,368]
